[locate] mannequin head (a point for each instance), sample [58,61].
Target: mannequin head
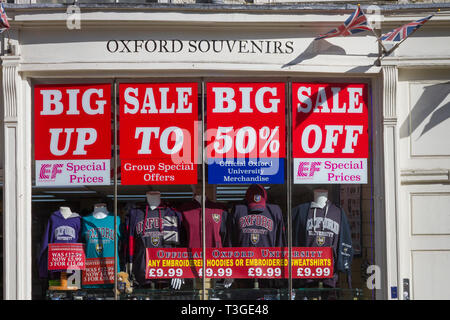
[100,210]
[65,211]
[256,197]
[153,198]
[197,192]
[320,197]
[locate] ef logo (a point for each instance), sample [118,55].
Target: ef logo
[307,169]
[49,171]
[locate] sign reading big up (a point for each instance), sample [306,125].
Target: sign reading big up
[158,133]
[72,134]
[245,132]
[330,133]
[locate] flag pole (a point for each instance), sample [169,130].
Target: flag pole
[383,48]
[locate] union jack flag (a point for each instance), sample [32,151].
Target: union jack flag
[4,24]
[403,32]
[357,22]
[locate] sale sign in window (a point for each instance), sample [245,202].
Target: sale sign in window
[158,133]
[330,133]
[245,133]
[72,134]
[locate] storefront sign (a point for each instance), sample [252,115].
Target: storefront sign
[72,132]
[245,132]
[158,133]
[64,256]
[207,46]
[330,133]
[247,262]
[99,271]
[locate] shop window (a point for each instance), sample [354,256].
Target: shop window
[268,224]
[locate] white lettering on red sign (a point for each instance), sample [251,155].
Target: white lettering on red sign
[225,100]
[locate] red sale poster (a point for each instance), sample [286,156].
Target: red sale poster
[245,262]
[245,132]
[72,134]
[330,132]
[158,133]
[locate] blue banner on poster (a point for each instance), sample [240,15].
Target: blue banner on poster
[243,171]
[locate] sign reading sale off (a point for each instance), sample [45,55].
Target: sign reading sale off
[330,132]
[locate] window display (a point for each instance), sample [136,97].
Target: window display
[161,245]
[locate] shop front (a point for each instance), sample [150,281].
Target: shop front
[199,154]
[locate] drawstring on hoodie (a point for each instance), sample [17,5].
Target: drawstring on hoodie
[160,219]
[323,221]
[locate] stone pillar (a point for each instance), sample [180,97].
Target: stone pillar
[17,257]
[391,175]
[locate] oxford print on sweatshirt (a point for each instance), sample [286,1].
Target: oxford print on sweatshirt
[257,228]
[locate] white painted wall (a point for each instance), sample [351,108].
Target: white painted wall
[424,218]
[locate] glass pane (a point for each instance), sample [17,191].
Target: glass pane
[73,216]
[159,132]
[246,150]
[332,215]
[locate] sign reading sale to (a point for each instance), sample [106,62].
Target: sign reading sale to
[72,134]
[330,132]
[158,133]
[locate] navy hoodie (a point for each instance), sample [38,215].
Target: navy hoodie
[310,229]
[161,229]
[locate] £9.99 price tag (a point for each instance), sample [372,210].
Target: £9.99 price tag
[242,262]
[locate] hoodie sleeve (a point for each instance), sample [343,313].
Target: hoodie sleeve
[281,237]
[223,228]
[42,259]
[299,216]
[130,228]
[345,248]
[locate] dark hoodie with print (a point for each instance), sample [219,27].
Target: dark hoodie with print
[313,226]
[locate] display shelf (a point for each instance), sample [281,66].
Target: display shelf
[211,294]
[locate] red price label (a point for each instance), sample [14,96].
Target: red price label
[98,271]
[64,256]
[247,262]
